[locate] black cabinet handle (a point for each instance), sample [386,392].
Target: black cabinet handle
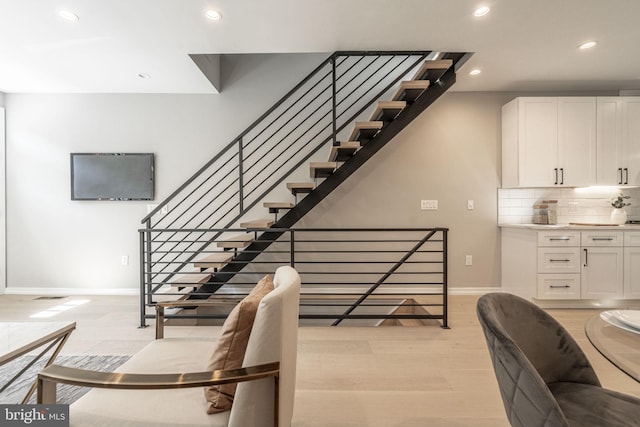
[606,239]
[559,238]
[556,172]
[559,260]
[559,286]
[626,175]
[620,175]
[586,257]
[561,176]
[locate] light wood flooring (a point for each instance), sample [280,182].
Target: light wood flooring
[350,377]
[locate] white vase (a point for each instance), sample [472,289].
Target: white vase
[618,216]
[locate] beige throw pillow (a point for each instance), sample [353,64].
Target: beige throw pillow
[232,344]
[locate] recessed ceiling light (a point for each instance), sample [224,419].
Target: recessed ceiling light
[68,15]
[587,45]
[475,72]
[144,76]
[481,11]
[214,15]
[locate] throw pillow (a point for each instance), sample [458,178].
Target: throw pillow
[232,344]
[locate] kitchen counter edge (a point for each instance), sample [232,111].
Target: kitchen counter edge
[627,227]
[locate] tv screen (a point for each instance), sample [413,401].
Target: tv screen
[112,176]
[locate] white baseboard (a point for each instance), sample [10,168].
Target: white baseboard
[80,291]
[69,291]
[474,291]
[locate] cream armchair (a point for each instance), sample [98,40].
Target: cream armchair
[162,384]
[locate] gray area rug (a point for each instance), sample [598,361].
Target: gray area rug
[66,393]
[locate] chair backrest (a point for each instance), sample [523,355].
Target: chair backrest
[274,337]
[530,349]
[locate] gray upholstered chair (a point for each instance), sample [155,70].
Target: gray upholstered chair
[544,377]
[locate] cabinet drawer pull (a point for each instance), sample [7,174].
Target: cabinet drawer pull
[620,175]
[554,239]
[607,239]
[626,175]
[556,172]
[559,286]
[561,176]
[559,260]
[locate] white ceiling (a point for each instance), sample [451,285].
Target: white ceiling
[520,45]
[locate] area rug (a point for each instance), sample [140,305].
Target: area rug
[66,393]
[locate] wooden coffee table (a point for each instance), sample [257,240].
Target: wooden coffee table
[20,338]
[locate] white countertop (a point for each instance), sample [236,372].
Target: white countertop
[625,227]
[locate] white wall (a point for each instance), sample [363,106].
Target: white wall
[450,153]
[53,242]
[3,241]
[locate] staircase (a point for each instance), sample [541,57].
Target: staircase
[237,188]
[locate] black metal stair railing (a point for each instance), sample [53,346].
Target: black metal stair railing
[312,115]
[374,276]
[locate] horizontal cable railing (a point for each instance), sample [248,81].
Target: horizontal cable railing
[310,117]
[349,276]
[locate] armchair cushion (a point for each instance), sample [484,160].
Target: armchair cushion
[232,345]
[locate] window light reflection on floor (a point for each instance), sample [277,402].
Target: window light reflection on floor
[50,312]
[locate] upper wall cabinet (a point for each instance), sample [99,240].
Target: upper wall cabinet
[618,141]
[549,142]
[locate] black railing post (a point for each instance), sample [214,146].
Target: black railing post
[240,177]
[292,249]
[334,101]
[445,279]
[145,272]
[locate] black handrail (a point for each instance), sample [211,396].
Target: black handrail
[223,208]
[402,266]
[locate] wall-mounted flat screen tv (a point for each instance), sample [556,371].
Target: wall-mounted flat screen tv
[112,176]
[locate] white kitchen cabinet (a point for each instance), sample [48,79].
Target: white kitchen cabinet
[558,286]
[585,264]
[632,265]
[602,272]
[549,141]
[631,139]
[618,140]
[558,260]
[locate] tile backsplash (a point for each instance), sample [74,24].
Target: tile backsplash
[593,205]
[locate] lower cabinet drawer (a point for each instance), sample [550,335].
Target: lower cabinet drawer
[558,286]
[558,260]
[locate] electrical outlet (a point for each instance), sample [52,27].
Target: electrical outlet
[164,210]
[468,260]
[124,260]
[470,205]
[150,208]
[427,205]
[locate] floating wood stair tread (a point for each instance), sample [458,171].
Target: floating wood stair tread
[193,279]
[239,241]
[344,151]
[364,131]
[300,187]
[322,169]
[258,223]
[216,260]
[387,110]
[278,205]
[410,90]
[433,70]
